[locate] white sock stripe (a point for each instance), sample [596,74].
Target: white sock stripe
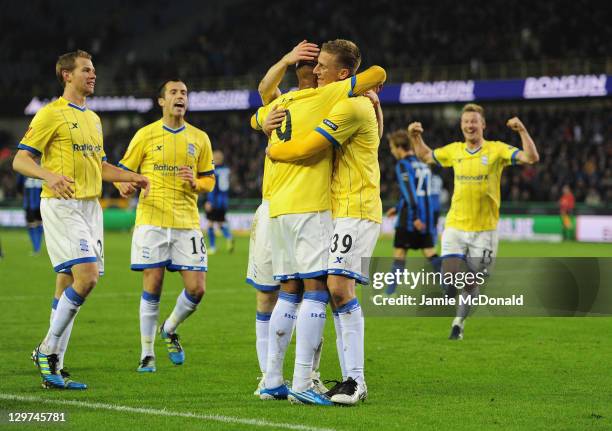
[157,412]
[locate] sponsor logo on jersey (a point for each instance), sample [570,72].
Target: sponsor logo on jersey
[163,167]
[484,177]
[330,124]
[87,149]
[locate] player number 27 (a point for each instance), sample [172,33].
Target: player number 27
[194,244]
[347,243]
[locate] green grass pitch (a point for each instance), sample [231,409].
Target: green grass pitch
[508,373]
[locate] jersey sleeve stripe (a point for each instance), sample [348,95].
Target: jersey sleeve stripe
[30,149]
[433,154]
[513,158]
[122,166]
[353,83]
[212,172]
[329,137]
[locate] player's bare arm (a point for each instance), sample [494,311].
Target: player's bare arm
[25,164]
[373,96]
[422,151]
[268,86]
[529,155]
[202,184]
[114,174]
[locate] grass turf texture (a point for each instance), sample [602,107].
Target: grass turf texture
[509,373]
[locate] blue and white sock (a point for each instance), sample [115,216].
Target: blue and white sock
[227,233]
[352,323]
[309,330]
[282,323]
[63,343]
[185,306]
[339,344]
[149,314]
[67,308]
[262,326]
[211,237]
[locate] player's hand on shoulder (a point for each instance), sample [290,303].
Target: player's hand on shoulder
[61,185]
[371,94]
[274,120]
[419,225]
[515,124]
[415,129]
[303,51]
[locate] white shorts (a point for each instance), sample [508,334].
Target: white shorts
[74,232]
[301,245]
[353,239]
[478,248]
[259,271]
[164,247]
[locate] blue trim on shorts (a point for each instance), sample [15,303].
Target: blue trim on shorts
[352,305]
[66,267]
[172,268]
[321,296]
[349,274]
[143,266]
[263,287]
[300,275]
[459,255]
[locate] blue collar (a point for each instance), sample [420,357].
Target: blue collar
[80,108]
[175,131]
[474,152]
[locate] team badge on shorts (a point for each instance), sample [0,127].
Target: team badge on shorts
[146,253]
[84,245]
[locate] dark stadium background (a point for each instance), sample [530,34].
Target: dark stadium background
[230,45]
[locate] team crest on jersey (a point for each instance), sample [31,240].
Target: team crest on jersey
[484,160]
[84,245]
[330,124]
[191,149]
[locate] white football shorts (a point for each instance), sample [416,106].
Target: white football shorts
[353,239]
[259,270]
[165,247]
[301,245]
[74,232]
[479,249]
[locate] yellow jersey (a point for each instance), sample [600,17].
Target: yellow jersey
[476,198]
[256,123]
[352,128]
[68,139]
[303,186]
[157,152]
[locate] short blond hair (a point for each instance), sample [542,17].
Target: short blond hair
[68,62]
[472,107]
[346,52]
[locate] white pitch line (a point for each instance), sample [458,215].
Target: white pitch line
[148,411]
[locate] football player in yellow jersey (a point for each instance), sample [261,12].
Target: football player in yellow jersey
[302,226]
[259,271]
[470,231]
[353,127]
[178,159]
[68,138]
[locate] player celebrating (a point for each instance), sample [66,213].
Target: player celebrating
[471,223]
[68,138]
[32,188]
[259,272]
[304,230]
[217,202]
[178,158]
[415,227]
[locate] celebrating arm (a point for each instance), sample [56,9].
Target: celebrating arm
[373,96]
[529,155]
[422,151]
[268,86]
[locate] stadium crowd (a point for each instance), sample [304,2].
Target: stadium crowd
[575,143]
